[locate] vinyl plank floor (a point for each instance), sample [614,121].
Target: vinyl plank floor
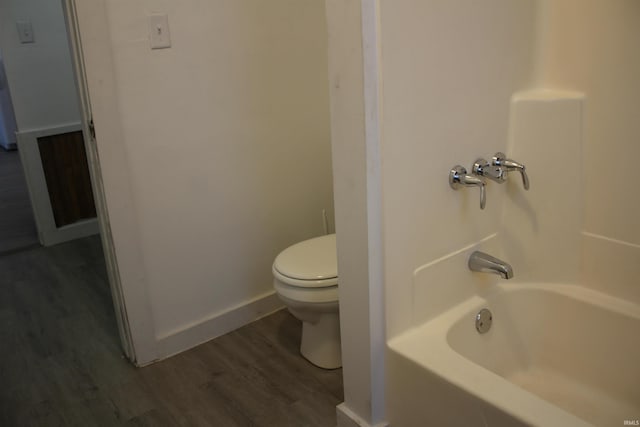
[61,363]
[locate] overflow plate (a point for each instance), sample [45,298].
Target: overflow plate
[484,319]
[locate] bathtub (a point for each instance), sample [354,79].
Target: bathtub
[556,355]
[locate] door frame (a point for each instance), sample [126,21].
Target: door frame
[110,178]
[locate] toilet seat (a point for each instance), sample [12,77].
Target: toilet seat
[308,271]
[309,264]
[324,283]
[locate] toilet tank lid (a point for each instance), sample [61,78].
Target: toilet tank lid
[313,259]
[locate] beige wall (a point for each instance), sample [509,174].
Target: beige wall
[225,138]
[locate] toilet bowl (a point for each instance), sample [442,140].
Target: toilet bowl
[306,280]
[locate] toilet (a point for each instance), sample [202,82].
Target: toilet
[306,280]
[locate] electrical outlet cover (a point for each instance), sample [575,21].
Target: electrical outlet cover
[159,31]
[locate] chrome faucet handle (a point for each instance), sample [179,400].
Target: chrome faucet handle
[458,178]
[495,173]
[500,159]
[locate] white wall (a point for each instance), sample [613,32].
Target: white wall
[39,74]
[354,137]
[226,141]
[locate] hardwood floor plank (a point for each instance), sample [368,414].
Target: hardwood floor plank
[133,399]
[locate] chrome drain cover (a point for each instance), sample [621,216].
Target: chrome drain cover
[484,319]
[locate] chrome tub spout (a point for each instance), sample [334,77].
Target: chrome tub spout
[485,263]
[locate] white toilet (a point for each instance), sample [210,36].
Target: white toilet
[306,280]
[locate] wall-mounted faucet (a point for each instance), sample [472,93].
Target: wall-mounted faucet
[495,173]
[498,169]
[458,178]
[485,263]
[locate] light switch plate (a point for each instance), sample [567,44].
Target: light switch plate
[25,32]
[159,31]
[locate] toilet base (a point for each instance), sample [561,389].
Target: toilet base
[320,342]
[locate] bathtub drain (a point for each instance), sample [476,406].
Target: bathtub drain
[484,319]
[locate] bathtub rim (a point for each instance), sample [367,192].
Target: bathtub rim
[446,363]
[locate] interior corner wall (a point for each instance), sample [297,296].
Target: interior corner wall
[40,74]
[227,147]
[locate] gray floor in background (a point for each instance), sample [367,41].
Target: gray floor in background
[61,364]
[17,226]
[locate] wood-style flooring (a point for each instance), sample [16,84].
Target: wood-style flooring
[61,364]
[17,226]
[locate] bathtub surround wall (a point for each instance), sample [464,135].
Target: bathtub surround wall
[534,235]
[223,143]
[433,292]
[596,52]
[449,70]
[610,266]
[540,232]
[576,213]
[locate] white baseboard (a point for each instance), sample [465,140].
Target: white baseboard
[8,145]
[218,324]
[77,230]
[347,418]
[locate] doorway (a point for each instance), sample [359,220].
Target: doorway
[52,136]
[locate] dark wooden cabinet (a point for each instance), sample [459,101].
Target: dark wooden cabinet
[64,162]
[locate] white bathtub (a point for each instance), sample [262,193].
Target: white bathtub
[556,355]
